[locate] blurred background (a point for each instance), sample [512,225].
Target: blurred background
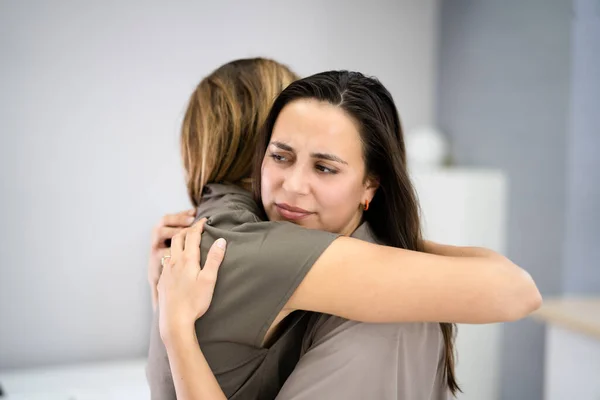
[91,99]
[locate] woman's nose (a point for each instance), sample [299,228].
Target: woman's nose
[296,181]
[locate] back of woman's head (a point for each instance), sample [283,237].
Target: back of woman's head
[223,117]
[393,214]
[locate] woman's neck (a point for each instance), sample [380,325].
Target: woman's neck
[352,225]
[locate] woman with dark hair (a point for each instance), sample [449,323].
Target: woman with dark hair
[331,159]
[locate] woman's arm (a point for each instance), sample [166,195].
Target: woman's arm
[459,251]
[184,294]
[371,283]
[166,228]
[192,376]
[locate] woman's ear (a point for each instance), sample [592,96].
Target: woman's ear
[371,186]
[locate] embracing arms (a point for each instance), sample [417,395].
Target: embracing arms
[371,283]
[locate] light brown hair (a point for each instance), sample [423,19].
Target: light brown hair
[221,124]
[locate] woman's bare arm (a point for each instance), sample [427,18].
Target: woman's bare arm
[370,283]
[184,294]
[192,376]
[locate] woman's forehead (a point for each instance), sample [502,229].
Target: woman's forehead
[319,125]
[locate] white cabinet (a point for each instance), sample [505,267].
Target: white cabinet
[572,365]
[572,368]
[468,207]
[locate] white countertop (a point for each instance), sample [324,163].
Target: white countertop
[577,314]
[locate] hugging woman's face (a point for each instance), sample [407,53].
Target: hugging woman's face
[313,172]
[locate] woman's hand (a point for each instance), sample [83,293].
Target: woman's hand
[168,226]
[184,290]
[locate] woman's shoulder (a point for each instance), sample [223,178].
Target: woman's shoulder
[228,199]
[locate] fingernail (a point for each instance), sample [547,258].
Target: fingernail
[191,220]
[221,243]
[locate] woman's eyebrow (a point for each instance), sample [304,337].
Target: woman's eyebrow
[329,157]
[320,156]
[282,146]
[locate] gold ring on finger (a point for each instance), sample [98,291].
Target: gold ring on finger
[164,258]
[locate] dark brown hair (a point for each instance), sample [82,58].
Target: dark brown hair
[393,214]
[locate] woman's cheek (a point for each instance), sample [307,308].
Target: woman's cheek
[340,201]
[268,182]
[332,195]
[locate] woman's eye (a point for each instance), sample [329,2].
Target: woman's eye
[325,170]
[278,157]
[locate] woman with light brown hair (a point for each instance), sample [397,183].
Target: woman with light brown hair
[332,148]
[218,137]
[223,118]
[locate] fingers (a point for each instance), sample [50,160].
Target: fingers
[177,246]
[165,261]
[180,220]
[192,243]
[169,225]
[214,259]
[161,234]
[185,249]
[155,268]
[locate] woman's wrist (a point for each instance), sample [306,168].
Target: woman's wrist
[175,334]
